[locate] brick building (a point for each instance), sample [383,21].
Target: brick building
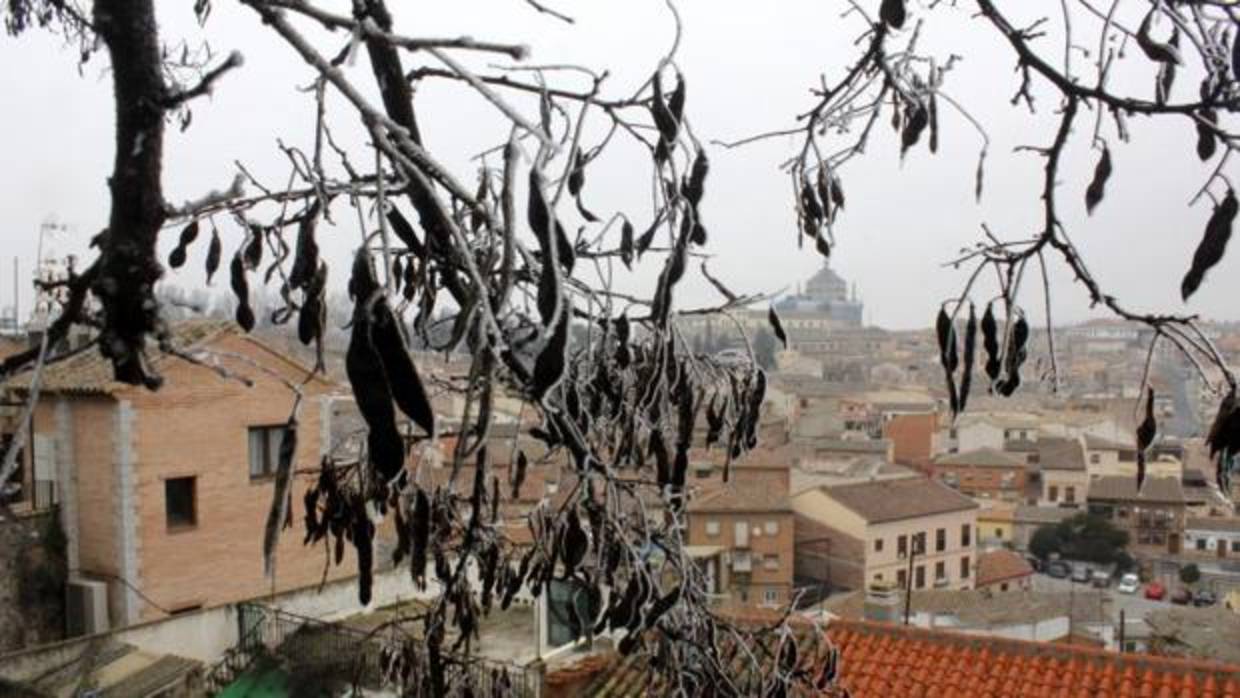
[866,532]
[164,494]
[1154,516]
[985,472]
[912,438]
[744,529]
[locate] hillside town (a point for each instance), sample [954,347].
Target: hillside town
[132,527]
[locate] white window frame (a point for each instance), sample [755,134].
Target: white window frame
[712,527]
[771,527]
[770,596]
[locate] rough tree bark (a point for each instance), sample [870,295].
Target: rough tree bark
[128,266]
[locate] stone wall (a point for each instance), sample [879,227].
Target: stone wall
[22,556]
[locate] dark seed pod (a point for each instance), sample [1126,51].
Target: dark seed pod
[990,342]
[549,366]
[893,13]
[188,235]
[363,541]
[812,209]
[577,176]
[371,390]
[241,288]
[1155,50]
[306,252]
[970,349]
[254,248]
[214,251]
[1097,186]
[777,327]
[575,543]
[1145,436]
[402,375]
[695,187]
[647,238]
[404,231]
[1206,142]
[661,606]
[918,119]
[626,243]
[1212,246]
[1224,435]
[676,103]
[176,258]
[947,356]
[664,120]
[518,477]
[1166,73]
[419,535]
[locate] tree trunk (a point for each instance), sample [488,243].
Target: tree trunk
[128,266]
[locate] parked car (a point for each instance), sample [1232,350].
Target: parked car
[1155,591]
[1081,575]
[1204,597]
[1100,580]
[1128,584]
[1182,597]
[1058,569]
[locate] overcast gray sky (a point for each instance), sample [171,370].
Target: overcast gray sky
[749,68]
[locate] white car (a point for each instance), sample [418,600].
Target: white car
[1129,583]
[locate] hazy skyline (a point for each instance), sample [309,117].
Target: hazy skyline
[747,72]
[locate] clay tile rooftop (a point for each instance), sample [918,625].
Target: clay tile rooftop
[880,660]
[891,661]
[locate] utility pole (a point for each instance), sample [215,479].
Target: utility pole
[1122,628]
[908,586]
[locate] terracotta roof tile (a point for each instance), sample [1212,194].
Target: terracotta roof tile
[1123,488]
[1001,565]
[893,661]
[893,500]
[896,661]
[982,457]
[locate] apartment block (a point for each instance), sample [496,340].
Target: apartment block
[742,532]
[985,472]
[913,531]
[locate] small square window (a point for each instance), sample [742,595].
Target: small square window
[1235,546]
[772,528]
[878,545]
[712,528]
[180,507]
[770,596]
[771,562]
[265,450]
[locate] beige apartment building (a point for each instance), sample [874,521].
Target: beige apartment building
[911,531]
[163,495]
[1065,479]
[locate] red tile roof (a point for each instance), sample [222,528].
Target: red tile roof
[996,566]
[881,660]
[892,661]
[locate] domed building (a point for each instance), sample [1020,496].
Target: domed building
[825,299]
